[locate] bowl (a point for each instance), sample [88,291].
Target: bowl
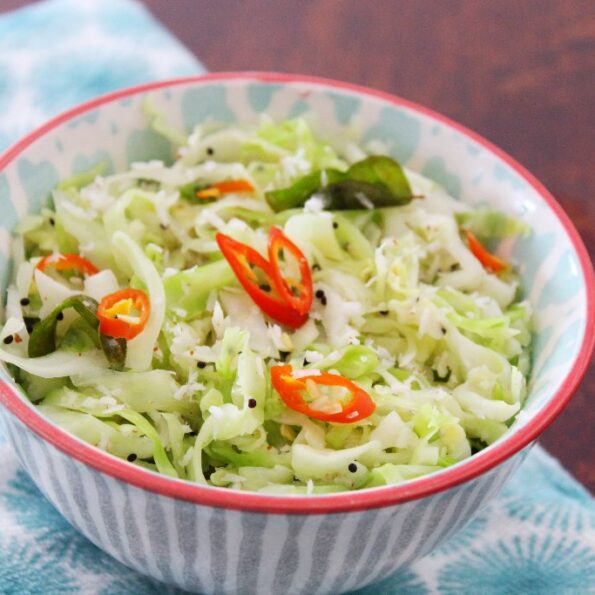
[216,540]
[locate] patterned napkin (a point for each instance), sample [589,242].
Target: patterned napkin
[538,536]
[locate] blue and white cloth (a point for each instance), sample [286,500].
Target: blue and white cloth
[538,536]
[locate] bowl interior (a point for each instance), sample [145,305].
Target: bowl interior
[117,132]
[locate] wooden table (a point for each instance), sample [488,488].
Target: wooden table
[520,72]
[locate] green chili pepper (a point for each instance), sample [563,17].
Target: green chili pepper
[114,350]
[188,192]
[30,322]
[79,337]
[299,192]
[43,336]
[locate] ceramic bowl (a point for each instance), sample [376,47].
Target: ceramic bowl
[215,540]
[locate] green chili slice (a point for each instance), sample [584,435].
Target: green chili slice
[43,336]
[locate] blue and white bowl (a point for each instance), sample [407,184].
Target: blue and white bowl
[215,540]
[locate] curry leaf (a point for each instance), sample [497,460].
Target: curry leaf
[382,171]
[374,182]
[188,192]
[354,195]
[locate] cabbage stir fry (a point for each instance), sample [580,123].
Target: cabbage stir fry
[269,313]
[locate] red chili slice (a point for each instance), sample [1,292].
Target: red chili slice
[124,314]
[489,261]
[216,190]
[67,262]
[299,294]
[245,261]
[358,406]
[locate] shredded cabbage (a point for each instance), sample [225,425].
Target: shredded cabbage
[409,314]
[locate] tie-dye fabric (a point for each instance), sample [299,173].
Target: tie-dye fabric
[538,536]
[58,53]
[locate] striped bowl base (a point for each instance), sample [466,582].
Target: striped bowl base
[214,550]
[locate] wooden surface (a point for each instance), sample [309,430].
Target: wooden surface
[520,72]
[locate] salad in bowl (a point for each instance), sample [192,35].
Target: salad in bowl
[270,312]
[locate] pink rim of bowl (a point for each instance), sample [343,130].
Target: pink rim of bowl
[330,503]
